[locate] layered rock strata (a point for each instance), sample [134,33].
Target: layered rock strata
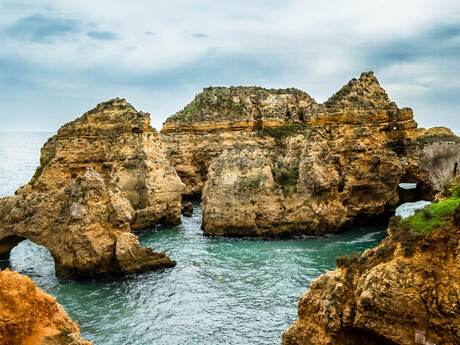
[118,142]
[218,118]
[29,316]
[405,289]
[100,177]
[276,163]
[84,225]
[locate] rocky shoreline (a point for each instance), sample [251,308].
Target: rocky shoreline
[29,316]
[407,287]
[271,163]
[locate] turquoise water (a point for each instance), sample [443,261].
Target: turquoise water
[253,302]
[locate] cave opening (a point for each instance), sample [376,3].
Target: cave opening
[365,336]
[414,191]
[7,244]
[26,257]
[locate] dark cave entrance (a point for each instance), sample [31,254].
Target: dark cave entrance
[7,244]
[409,192]
[365,336]
[412,190]
[23,255]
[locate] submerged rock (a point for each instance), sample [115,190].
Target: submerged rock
[29,316]
[408,286]
[187,210]
[276,163]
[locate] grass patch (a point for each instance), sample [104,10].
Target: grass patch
[348,260]
[255,182]
[281,132]
[189,109]
[286,178]
[432,216]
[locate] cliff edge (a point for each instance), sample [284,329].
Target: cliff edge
[276,163]
[404,291]
[29,316]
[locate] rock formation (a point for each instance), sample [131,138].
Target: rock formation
[187,211]
[220,117]
[276,163]
[100,177]
[29,316]
[408,286]
[84,225]
[118,142]
[438,152]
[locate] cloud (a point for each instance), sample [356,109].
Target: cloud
[103,35]
[200,35]
[39,28]
[87,51]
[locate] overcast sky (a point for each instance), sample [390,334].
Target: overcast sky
[59,59]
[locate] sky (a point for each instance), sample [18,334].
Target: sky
[60,58]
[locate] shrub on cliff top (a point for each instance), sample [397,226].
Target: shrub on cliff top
[348,260]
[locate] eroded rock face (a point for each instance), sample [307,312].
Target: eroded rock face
[100,177]
[29,316]
[220,117]
[118,142]
[386,295]
[438,151]
[276,163]
[84,225]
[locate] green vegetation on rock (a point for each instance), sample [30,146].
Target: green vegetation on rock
[285,178]
[289,130]
[432,216]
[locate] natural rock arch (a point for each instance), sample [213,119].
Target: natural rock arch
[100,176]
[85,227]
[262,173]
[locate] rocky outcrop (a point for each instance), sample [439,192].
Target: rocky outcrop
[438,152]
[118,142]
[187,210]
[407,287]
[85,226]
[220,117]
[29,316]
[276,163]
[102,176]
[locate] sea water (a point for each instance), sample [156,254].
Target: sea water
[222,291]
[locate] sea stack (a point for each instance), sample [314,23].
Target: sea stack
[276,163]
[118,142]
[102,176]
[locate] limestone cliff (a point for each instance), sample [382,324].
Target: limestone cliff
[220,117]
[438,152]
[84,225]
[118,142]
[29,316]
[407,287]
[102,176]
[276,163]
